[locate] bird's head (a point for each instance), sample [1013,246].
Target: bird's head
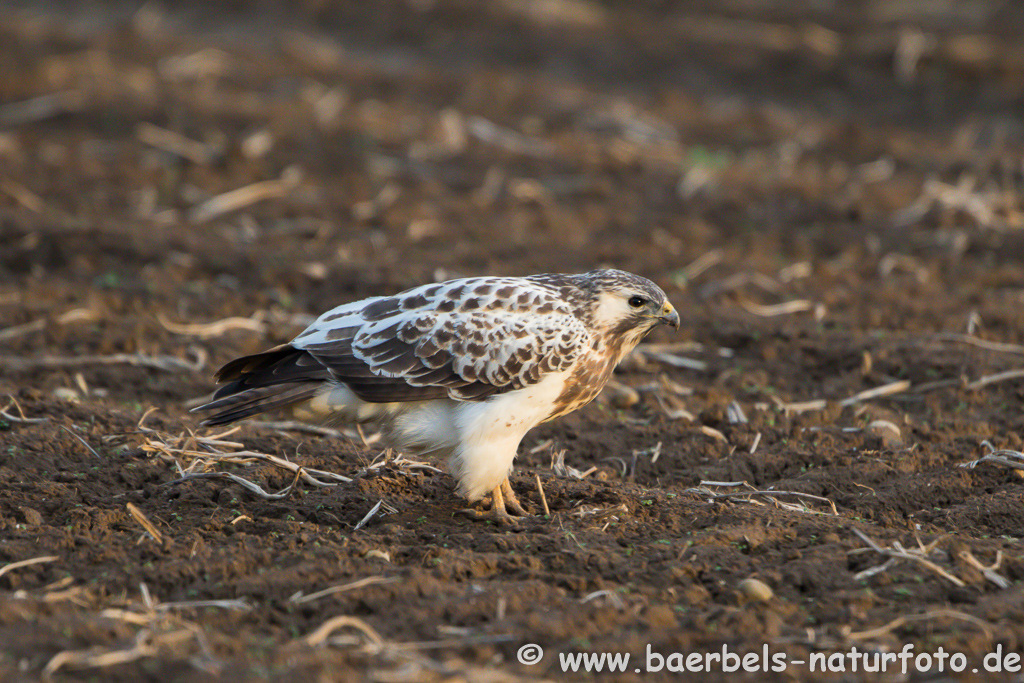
[629,305]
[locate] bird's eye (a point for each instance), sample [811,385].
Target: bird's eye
[637,301]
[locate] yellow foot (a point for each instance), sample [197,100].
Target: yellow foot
[511,502]
[501,496]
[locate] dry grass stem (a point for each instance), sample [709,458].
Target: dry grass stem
[27,563]
[175,143]
[601,514]
[160,633]
[1007,458]
[324,632]
[890,389]
[981,343]
[75,594]
[795,271]
[361,583]
[614,598]
[165,363]
[83,441]
[239,604]
[140,425]
[685,347]
[506,138]
[367,441]
[704,490]
[983,206]
[40,108]
[738,280]
[368,516]
[141,518]
[75,315]
[989,572]
[754,445]
[897,387]
[702,263]
[560,469]
[189,448]
[918,555]
[541,446]
[672,359]
[771,311]
[99,657]
[295,426]
[201,453]
[713,433]
[20,420]
[214,329]
[245,196]
[58,584]
[543,498]
[253,488]
[674,413]
[392,460]
[993,379]
[667,385]
[899,622]
[734,413]
[141,619]
[800,406]
[877,569]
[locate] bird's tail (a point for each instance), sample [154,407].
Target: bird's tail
[255,401]
[280,377]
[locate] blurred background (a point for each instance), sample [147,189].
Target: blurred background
[378,145]
[271,160]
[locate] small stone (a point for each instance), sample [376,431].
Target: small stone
[66,394]
[379,554]
[754,590]
[888,431]
[622,396]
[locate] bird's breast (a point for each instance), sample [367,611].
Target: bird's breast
[586,380]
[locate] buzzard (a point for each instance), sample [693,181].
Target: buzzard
[462,369]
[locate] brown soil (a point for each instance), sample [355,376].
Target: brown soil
[806,155]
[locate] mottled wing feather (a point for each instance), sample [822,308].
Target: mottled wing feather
[467,339]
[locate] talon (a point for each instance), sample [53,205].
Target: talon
[511,501]
[488,515]
[501,496]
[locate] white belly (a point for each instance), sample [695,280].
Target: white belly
[480,438]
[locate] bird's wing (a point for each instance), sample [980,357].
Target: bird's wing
[467,339]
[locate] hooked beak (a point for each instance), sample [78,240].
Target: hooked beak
[669,315]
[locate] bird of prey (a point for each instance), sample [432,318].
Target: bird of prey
[460,369]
